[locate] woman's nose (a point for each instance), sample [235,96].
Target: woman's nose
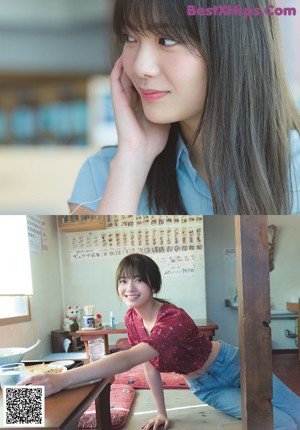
[130,284]
[146,63]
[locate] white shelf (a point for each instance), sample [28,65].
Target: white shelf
[275,314]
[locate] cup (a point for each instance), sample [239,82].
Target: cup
[11,374]
[88,321]
[96,349]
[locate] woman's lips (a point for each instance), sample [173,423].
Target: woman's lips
[153,94]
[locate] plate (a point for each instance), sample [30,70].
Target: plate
[57,368]
[38,369]
[64,363]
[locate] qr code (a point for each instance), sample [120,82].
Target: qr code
[24,406]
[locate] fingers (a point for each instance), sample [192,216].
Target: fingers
[117,70]
[35,379]
[115,79]
[155,424]
[122,88]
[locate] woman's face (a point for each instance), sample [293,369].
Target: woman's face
[170,80]
[133,291]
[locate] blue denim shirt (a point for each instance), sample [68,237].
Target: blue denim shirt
[195,193]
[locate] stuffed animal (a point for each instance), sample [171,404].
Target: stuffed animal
[71,322]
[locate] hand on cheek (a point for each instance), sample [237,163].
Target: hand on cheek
[136,134]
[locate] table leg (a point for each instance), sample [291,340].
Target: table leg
[86,346]
[106,345]
[102,405]
[74,342]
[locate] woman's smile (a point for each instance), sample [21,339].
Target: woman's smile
[132,297]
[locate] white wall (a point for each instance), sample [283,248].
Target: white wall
[46,302]
[221,275]
[92,282]
[285,278]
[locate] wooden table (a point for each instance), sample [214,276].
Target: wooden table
[207,326]
[64,409]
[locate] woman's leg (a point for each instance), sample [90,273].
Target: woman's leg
[219,386]
[283,421]
[286,401]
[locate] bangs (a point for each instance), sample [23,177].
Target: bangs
[167,18]
[132,268]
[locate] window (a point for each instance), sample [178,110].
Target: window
[14,309]
[15,273]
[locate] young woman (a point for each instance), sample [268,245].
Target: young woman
[166,339]
[204,119]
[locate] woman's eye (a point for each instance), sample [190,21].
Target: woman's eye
[128,38]
[167,42]
[138,280]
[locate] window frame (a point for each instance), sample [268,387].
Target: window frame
[20,318]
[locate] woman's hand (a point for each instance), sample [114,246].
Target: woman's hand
[52,382]
[139,143]
[157,422]
[138,137]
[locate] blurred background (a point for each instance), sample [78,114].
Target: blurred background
[55,105]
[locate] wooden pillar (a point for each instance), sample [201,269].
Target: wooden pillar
[254,317]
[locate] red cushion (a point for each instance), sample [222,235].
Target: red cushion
[121,398]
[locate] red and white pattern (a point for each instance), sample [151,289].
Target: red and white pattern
[121,398]
[182,347]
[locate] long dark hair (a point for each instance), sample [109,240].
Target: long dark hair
[145,268]
[248,113]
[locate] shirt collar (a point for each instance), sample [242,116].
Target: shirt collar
[183,157]
[181,149]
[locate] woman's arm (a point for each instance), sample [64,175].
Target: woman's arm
[154,380]
[109,365]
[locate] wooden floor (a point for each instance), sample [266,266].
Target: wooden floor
[286,365]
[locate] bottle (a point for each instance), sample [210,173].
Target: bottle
[96,349]
[112,320]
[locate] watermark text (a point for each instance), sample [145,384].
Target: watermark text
[238,10]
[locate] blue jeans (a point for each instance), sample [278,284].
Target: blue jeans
[219,387]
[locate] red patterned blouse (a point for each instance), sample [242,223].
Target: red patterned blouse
[182,347]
